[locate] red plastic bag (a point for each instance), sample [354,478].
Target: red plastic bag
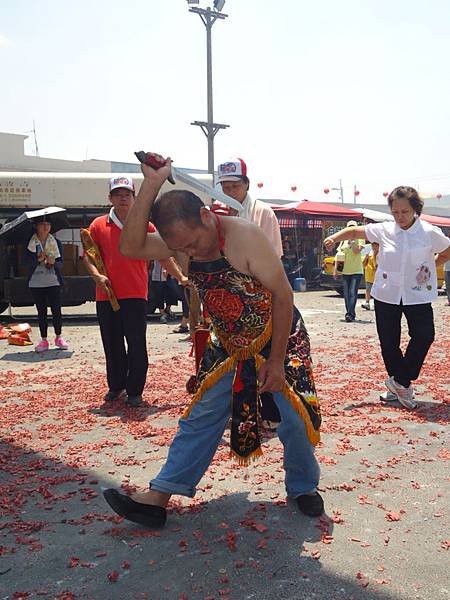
[19,339]
[21,328]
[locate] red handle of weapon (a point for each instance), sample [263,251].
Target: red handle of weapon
[147,158]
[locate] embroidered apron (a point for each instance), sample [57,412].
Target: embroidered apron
[240,309]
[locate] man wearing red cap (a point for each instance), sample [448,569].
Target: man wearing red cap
[126,366]
[232,175]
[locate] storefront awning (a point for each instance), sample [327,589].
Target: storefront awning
[298,221]
[295,213]
[317,209]
[439,221]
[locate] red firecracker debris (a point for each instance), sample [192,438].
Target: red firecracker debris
[363,581]
[392,516]
[73,562]
[231,540]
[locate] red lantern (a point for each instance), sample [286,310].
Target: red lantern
[385,194]
[293,188]
[439,196]
[356,192]
[326,191]
[260,184]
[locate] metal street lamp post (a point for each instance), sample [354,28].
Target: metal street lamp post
[209,128]
[340,189]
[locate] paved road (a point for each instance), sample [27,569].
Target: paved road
[384,480]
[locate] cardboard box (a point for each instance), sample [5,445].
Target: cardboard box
[20,254]
[19,261]
[81,268]
[22,271]
[70,252]
[69,267]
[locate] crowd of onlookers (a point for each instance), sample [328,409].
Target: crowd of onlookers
[140,288]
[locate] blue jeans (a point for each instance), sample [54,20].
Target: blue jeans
[447,284]
[199,435]
[351,285]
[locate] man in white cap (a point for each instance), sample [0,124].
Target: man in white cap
[352,272]
[126,366]
[232,175]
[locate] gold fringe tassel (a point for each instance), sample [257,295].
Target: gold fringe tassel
[313,435]
[228,364]
[254,348]
[245,461]
[210,380]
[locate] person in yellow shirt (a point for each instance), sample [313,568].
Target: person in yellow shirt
[370,266]
[352,270]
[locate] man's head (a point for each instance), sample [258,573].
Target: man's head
[185,224]
[42,226]
[121,193]
[232,175]
[352,224]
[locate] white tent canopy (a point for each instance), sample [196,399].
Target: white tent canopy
[376,215]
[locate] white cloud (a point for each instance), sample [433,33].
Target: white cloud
[4,42]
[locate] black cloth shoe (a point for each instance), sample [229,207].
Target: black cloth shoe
[134,401]
[112,396]
[311,504]
[153,517]
[181,329]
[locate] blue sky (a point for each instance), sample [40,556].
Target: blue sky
[313,91]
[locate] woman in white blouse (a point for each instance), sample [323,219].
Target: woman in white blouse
[405,283]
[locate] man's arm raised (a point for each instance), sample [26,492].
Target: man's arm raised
[265,265]
[135,241]
[349,233]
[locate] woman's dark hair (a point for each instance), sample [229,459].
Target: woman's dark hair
[410,194]
[179,205]
[38,220]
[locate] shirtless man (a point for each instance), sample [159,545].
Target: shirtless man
[259,344]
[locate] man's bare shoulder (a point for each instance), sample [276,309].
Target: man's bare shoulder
[236,226]
[244,241]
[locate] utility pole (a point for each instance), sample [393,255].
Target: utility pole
[209,128]
[340,189]
[36,148]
